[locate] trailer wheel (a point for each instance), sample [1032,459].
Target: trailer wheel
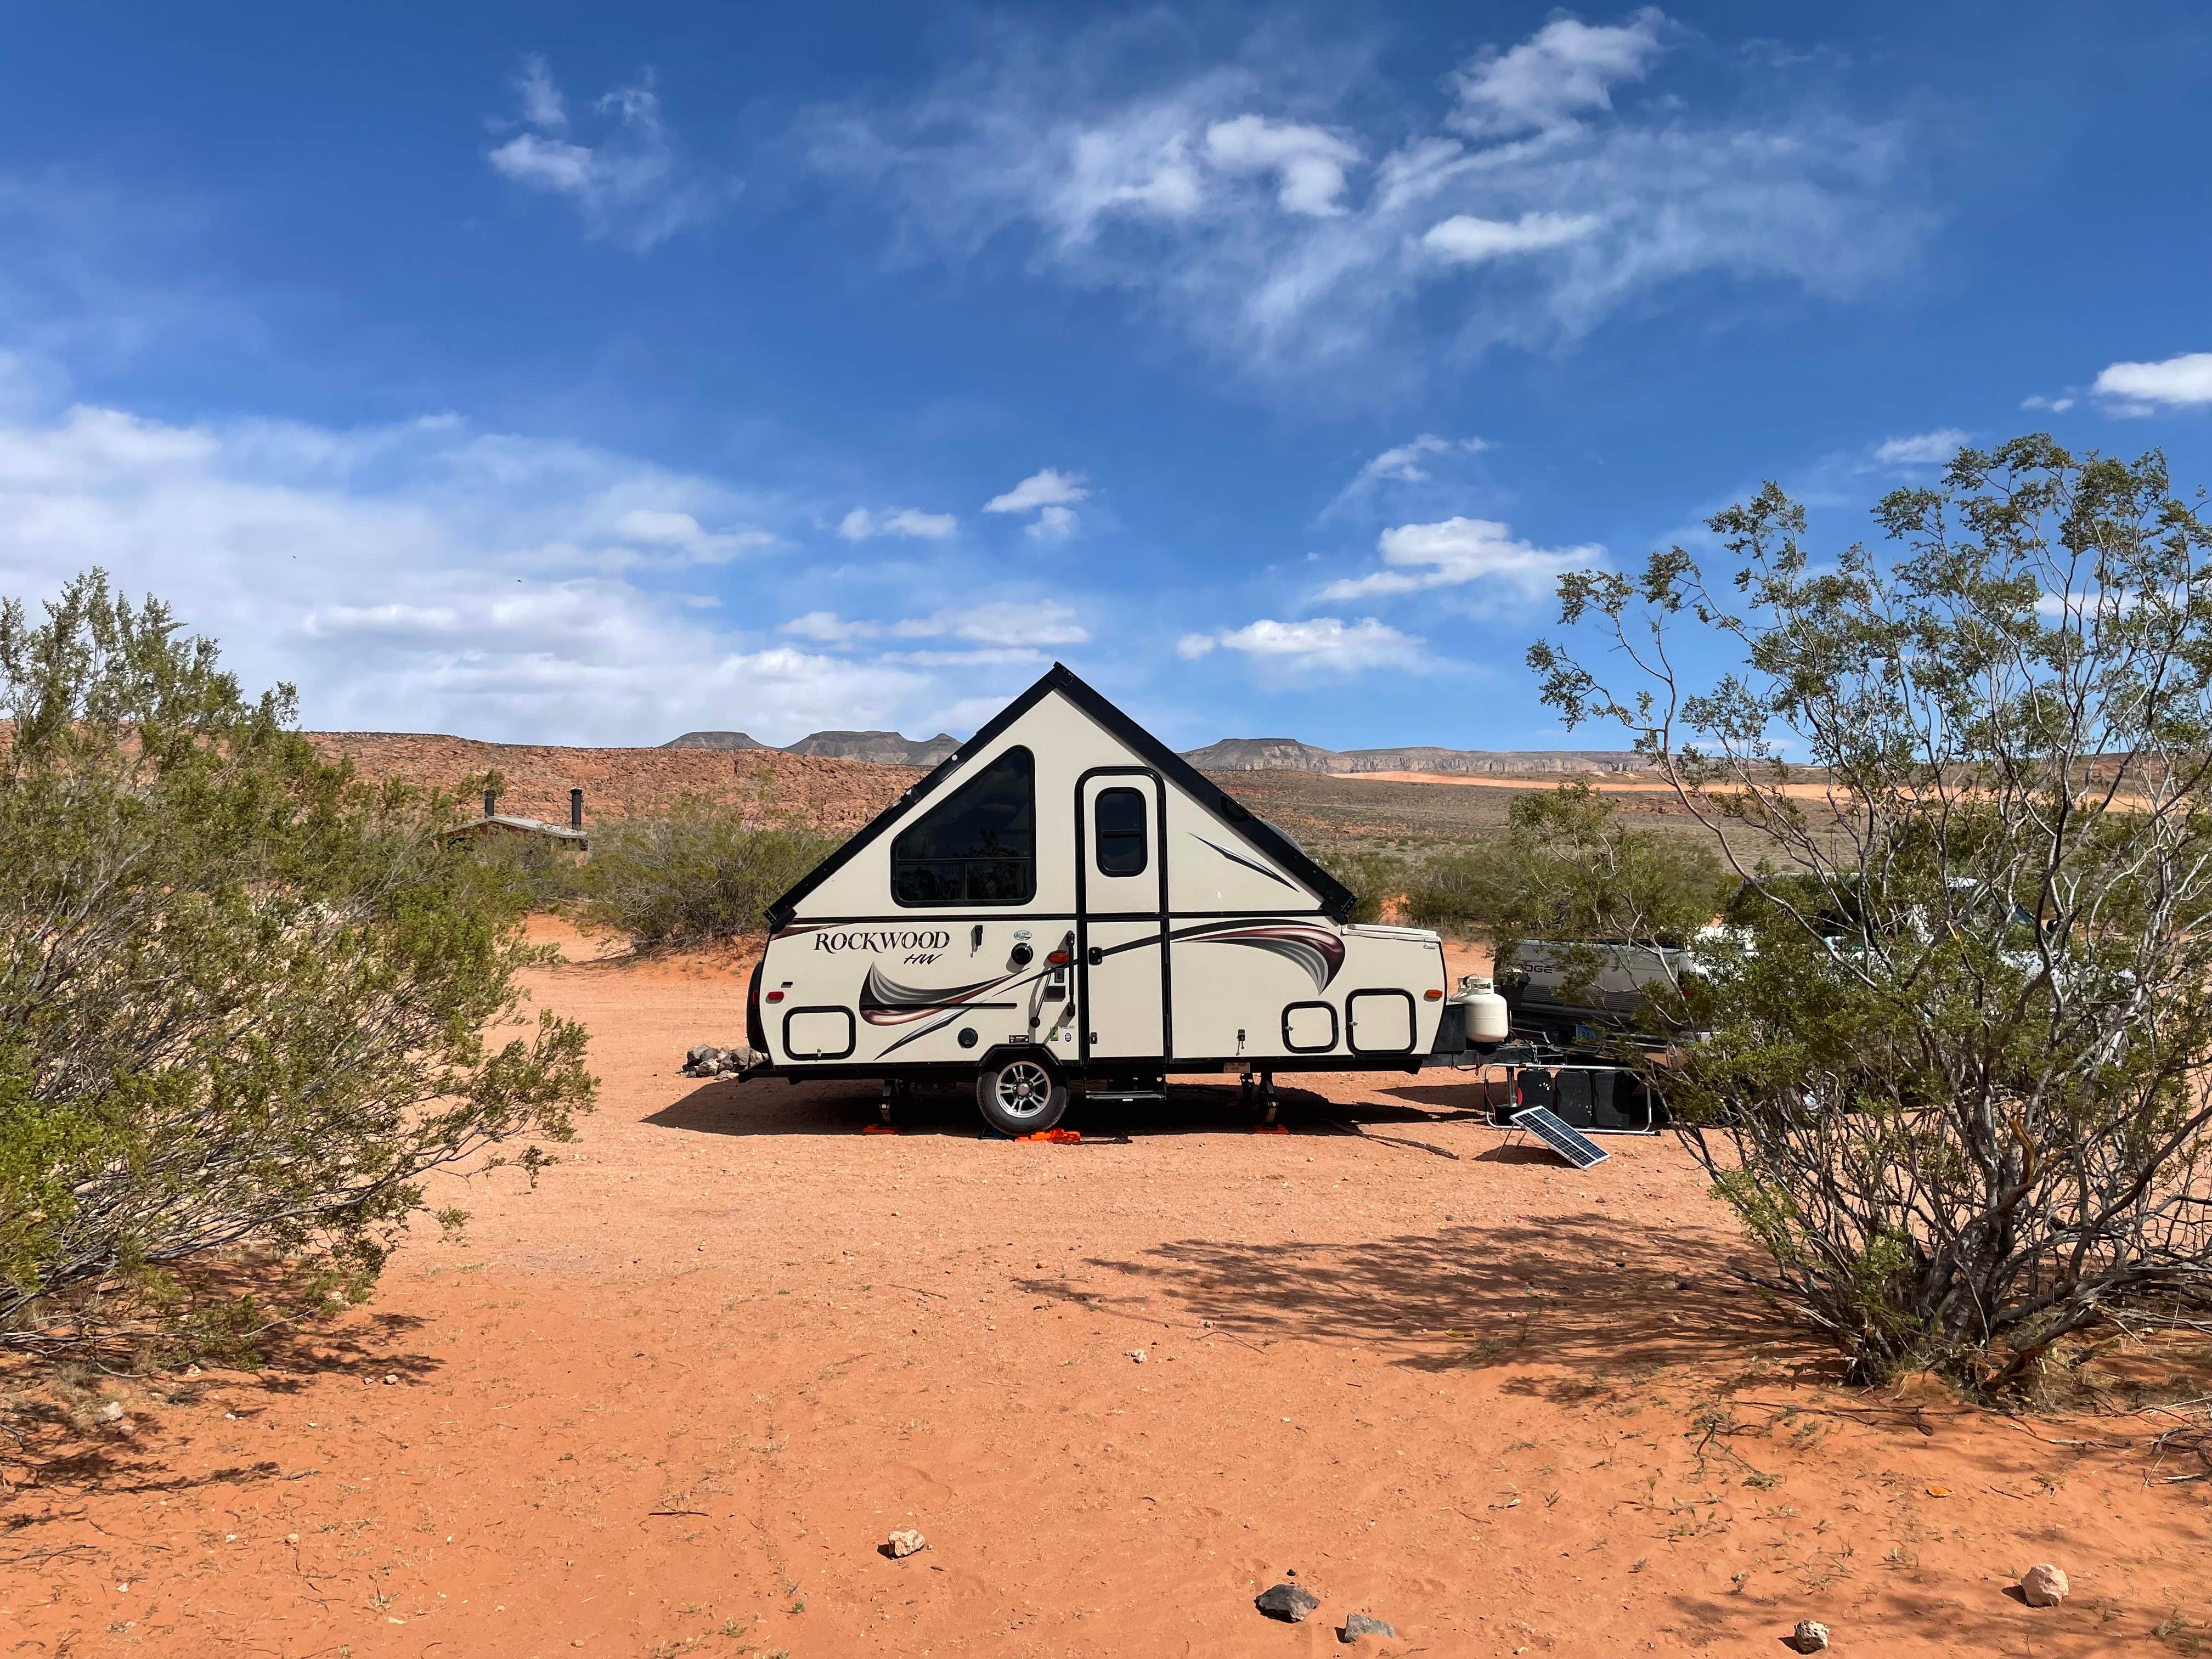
[1021,1095]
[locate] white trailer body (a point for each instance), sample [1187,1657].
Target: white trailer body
[1065,898]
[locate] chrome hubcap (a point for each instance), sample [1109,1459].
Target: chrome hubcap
[1024,1089]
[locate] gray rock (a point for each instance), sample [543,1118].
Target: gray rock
[1359,1625]
[1288,1602]
[1810,1636]
[2044,1586]
[704,1060]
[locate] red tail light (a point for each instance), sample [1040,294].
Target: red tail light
[1058,958]
[775,996]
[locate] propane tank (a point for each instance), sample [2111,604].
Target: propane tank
[1488,1019]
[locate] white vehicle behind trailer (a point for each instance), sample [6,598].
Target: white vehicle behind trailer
[1065,901]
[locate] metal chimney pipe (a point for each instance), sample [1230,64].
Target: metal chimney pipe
[576,809]
[490,802]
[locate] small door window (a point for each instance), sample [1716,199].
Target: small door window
[1118,820]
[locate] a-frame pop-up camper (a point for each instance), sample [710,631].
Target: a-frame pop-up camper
[1066,900]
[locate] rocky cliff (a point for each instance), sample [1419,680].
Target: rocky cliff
[1289,755]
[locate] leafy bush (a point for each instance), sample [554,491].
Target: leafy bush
[1961,1023]
[1569,867]
[242,996]
[536,872]
[698,873]
[1374,875]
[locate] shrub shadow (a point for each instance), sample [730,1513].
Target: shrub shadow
[1578,1295]
[48,1405]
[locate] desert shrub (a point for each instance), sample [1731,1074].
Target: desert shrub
[697,873]
[537,872]
[1375,875]
[1571,867]
[242,996]
[1961,1018]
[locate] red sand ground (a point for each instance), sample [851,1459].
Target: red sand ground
[673,1401]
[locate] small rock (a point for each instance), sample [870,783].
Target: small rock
[111,1411]
[702,1059]
[1288,1602]
[2044,1586]
[391,1378]
[291,1537]
[903,1544]
[1359,1625]
[1810,1636]
[1137,1354]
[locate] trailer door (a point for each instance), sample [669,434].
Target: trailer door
[1121,914]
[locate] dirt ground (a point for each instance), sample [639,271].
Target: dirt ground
[673,1399]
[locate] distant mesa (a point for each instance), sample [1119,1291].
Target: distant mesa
[879,748]
[1229,754]
[714,740]
[1290,755]
[883,748]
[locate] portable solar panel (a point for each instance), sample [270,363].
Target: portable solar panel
[1576,1148]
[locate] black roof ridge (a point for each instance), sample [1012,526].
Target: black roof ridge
[1337,901]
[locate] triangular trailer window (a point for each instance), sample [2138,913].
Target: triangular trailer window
[980,847]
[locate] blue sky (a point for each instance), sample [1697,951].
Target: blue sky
[564,373]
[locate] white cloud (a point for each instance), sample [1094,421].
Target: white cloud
[1564,71]
[1052,524]
[2182,382]
[683,540]
[1921,449]
[1455,552]
[542,106]
[1013,624]
[1467,240]
[1308,163]
[859,524]
[632,187]
[426,576]
[1320,645]
[2055,405]
[1047,493]
[828,628]
[996,656]
[1261,210]
[1047,487]
[1403,464]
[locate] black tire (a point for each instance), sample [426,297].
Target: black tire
[1021,1095]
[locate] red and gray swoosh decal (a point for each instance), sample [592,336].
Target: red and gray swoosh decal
[885,1001]
[1319,950]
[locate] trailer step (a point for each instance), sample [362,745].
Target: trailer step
[1125,1094]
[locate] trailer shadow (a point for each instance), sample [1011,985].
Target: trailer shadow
[766,1106]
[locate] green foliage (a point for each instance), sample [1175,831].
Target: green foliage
[1375,875]
[1961,1019]
[1571,867]
[536,872]
[242,997]
[698,873]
